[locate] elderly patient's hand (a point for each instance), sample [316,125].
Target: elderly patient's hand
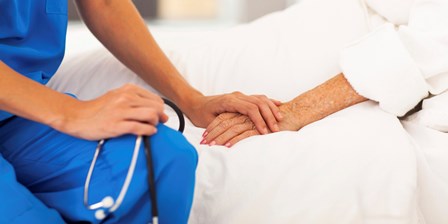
[261,110]
[229,128]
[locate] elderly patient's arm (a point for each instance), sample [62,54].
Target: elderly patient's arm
[327,98]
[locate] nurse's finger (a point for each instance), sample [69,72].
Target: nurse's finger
[264,111]
[131,99]
[141,92]
[136,101]
[240,137]
[272,106]
[136,128]
[145,115]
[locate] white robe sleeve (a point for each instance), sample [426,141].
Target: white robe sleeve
[398,65]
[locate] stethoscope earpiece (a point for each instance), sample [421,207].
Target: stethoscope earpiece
[108,202]
[100,214]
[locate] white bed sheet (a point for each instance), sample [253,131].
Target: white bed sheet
[357,166]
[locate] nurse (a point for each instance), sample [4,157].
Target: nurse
[49,137]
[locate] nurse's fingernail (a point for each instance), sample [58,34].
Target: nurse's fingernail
[212,143]
[204,141]
[205,134]
[265,131]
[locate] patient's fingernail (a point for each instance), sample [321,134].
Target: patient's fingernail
[265,131]
[212,143]
[204,141]
[205,134]
[228,145]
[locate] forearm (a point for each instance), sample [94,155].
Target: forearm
[332,96]
[117,24]
[26,98]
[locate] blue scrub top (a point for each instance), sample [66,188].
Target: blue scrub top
[32,37]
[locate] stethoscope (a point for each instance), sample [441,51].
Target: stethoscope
[108,205]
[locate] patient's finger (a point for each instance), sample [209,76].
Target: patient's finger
[276,102]
[232,132]
[223,126]
[220,118]
[240,137]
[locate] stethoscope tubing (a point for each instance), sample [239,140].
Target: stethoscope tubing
[151,180]
[108,202]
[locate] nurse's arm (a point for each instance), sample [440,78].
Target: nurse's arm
[127,110]
[332,96]
[119,26]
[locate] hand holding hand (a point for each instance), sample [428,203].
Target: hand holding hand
[229,128]
[262,111]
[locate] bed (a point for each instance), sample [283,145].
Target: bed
[360,165]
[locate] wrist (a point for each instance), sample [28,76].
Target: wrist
[189,103]
[292,121]
[65,114]
[298,113]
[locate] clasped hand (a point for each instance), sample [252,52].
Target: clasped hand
[229,128]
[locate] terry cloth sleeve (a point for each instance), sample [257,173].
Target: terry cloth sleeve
[398,65]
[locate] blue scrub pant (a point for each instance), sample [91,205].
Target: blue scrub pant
[17,204]
[54,166]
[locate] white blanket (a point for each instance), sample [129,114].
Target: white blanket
[356,166]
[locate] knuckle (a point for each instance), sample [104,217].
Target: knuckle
[253,127]
[158,107]
[132,128]
[238,93]
[124,98]
[129,86]
[258,100]
[251,108]
[247,120]
[220,118]
[229,99]
[224,125]
[152,113]
[254,115]
[241,119]
[236,130]
[249,134]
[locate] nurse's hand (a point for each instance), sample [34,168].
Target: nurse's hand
[264,112]
[126,110]
[229,128]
